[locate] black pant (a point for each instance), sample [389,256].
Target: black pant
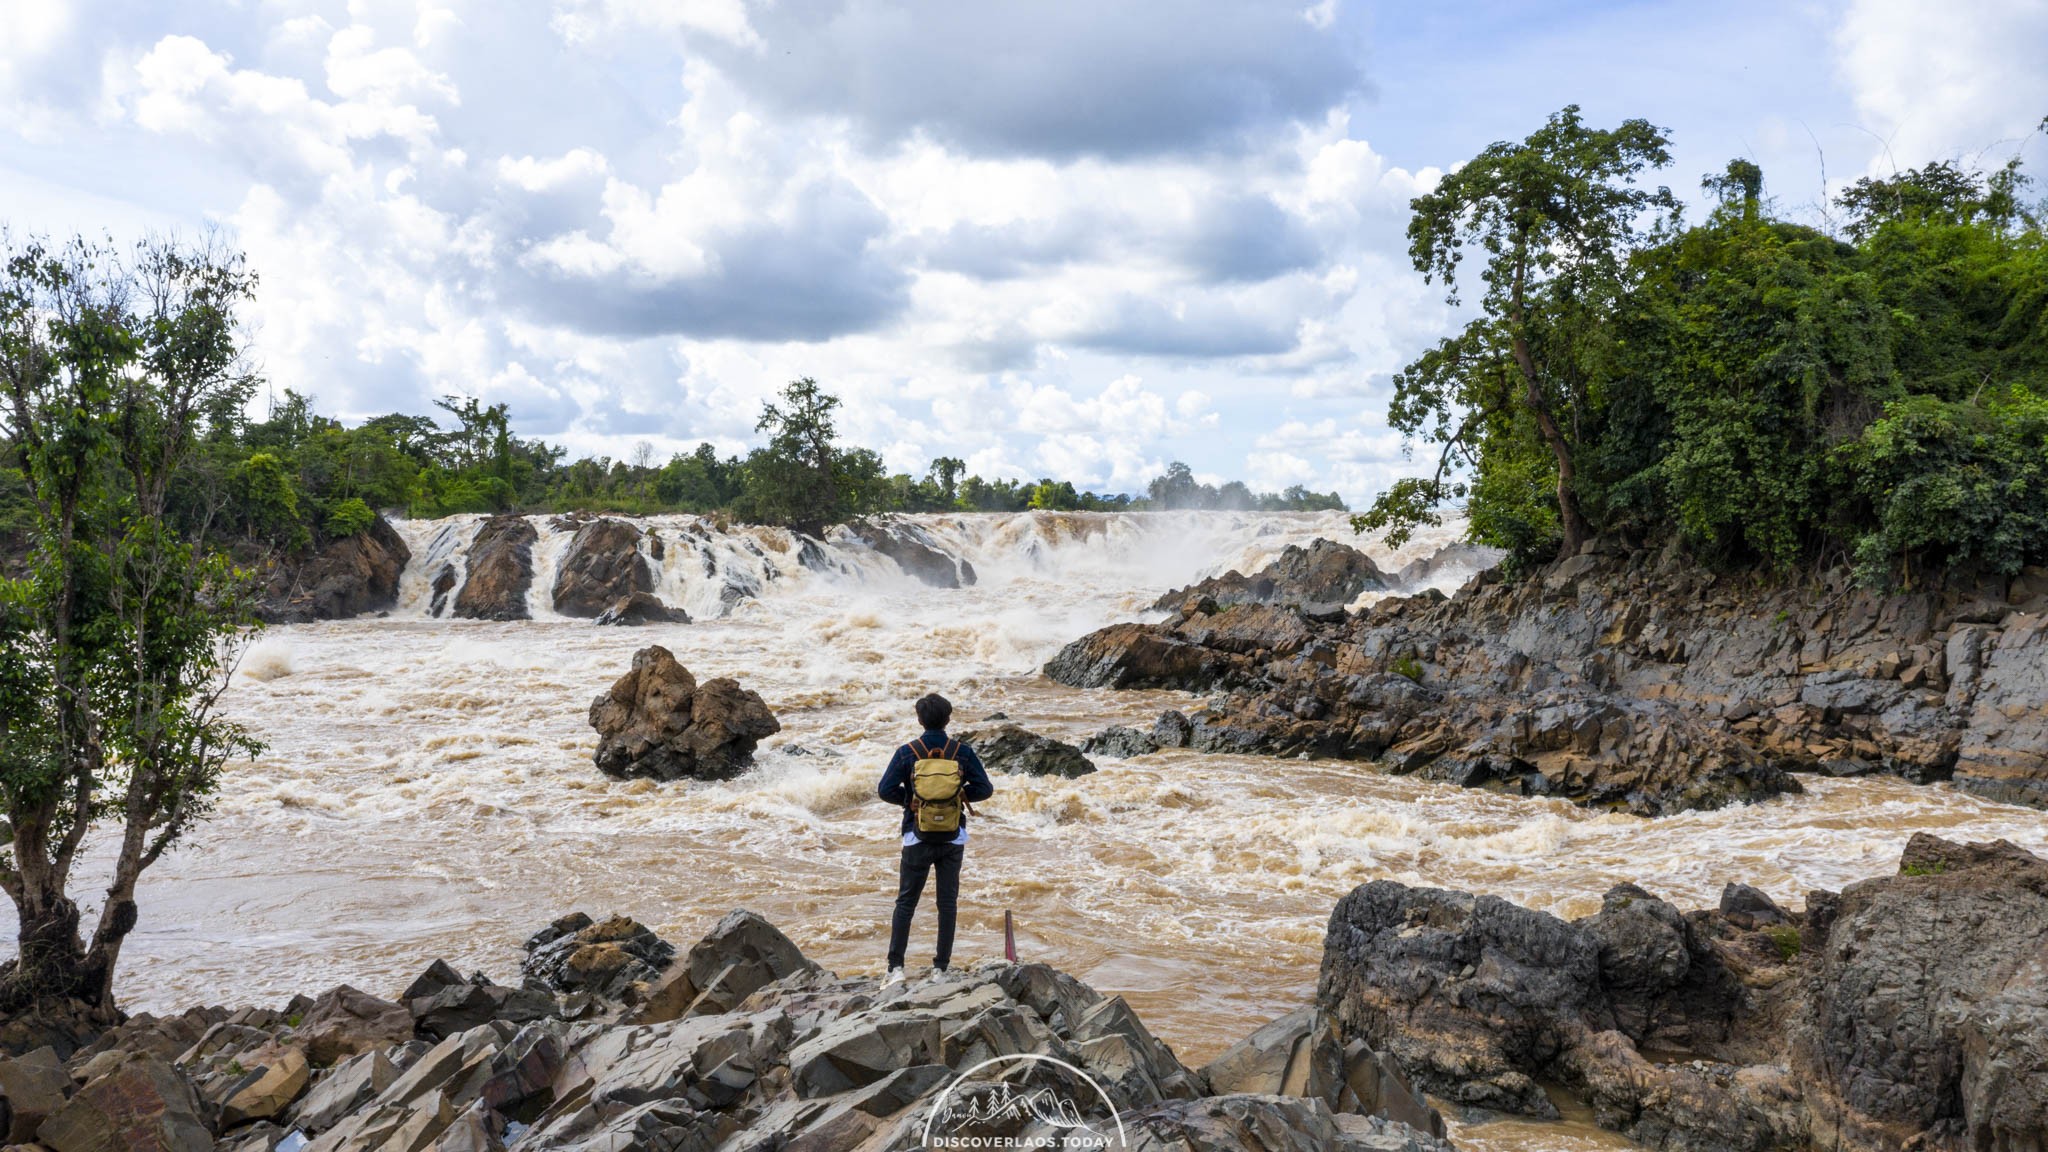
[918,859]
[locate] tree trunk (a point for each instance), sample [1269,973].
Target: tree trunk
[55,966]
[1570,519]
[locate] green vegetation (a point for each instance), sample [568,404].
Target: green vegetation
[296,479]
[1916,868]
[1786,938]
[119,634]
[1772,394]
[1408,666]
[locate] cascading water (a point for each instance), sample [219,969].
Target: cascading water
[427,790]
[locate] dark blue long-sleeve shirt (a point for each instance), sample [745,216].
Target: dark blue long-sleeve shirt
[895,785]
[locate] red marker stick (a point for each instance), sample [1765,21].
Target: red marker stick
[1009,937]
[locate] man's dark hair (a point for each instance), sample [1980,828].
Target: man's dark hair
[934,712]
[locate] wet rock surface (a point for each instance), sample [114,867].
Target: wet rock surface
[641,608]
[1617,679]
[500,571]
[1012,749]
[915,551]
[656,721]
[601,566]
[764,1051]
[1324,577]
[346,578]
[1908,1011]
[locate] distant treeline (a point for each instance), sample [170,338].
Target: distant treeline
[297,477]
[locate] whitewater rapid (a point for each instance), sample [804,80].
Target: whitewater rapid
[427,788]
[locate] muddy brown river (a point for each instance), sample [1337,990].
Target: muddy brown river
[427,792]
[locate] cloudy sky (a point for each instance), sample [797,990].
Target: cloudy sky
[1067,237]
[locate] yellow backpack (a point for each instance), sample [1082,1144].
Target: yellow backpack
[936,788]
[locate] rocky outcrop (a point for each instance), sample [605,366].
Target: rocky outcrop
[345,578]
[1909,1011]
[1620,679]
[914,551]
[741,1045]
[1927,1002]
[601,566]
[1011,749]
[1324,577]
[500,571]
[658,722]
[1121,742]
[641,608]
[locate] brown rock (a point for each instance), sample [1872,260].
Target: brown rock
[657,721]
[603,565]
[141,1104]
[268,1088]
[500,571]
[34,1088]
[346,1021]
[346,578]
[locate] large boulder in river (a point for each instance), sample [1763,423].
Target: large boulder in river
[602,565]
[500,571]
[1323,577]
[346,578]
[658,722]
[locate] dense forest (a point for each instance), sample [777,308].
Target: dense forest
[1869,388]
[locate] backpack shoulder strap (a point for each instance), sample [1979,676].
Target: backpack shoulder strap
[952,751]
[917,749]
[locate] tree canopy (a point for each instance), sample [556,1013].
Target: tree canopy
[1767,392]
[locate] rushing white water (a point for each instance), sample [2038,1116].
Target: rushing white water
[428,790]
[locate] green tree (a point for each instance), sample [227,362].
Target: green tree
[116,646]
[1555,218]
[802,478]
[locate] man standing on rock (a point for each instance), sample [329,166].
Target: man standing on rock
[933,778]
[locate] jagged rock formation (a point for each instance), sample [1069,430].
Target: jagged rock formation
[1620,678]
[741,1046]
[1324,577]
[500,571]
[913,551]
[658,722]
[601,566]
[1909,1011]
[348,577]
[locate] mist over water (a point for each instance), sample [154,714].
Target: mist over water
[428,789]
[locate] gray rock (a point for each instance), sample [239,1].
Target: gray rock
[640,608]
[1009,748]
[1119,742]
[855,1053]
[1323,577]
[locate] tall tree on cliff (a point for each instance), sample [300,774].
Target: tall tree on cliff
[117,644]
[1556,217]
